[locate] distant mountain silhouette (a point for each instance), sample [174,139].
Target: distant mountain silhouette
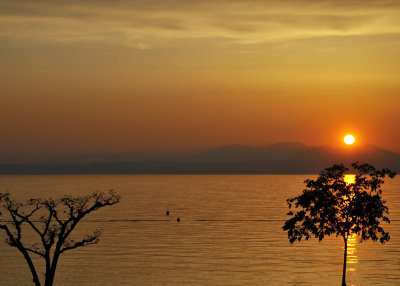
[279,158]
[232,153]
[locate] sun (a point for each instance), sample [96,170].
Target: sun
[349,139]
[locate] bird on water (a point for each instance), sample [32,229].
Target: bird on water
[178,219]
[167,213]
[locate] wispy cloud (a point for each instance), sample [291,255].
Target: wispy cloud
[143,24]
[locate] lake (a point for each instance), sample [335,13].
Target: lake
[230,234]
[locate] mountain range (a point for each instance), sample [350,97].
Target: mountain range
[279,158]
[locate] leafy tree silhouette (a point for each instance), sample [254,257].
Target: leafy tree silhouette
[53,221]
[331,206]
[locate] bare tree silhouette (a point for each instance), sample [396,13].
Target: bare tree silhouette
[53,220]
[331,206]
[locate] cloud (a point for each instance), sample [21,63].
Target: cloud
[144,24]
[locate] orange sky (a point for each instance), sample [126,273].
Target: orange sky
[93,77]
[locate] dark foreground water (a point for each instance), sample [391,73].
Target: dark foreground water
[230,234]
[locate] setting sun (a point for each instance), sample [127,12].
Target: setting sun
[349,139]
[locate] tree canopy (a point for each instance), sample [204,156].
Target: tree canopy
[53,221]
[330,205]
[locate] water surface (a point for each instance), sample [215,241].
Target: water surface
[229,234]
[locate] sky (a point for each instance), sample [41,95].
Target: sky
[83,77]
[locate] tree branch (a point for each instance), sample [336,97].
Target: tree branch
[88,240]
[57,220]
[35,251]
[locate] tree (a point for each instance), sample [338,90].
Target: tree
[53,221]
[331,206]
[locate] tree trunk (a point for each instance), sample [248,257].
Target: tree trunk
[52,271]
[49,278]
[35,277]
[344,263]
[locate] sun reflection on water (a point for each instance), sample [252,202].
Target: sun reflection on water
[352,258]
[350,179]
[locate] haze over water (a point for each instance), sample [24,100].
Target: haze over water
[198,87]
[174,77]
[230,234]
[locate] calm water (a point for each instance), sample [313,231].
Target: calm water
[230,234]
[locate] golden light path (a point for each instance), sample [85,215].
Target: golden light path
[350,179]
[352,258]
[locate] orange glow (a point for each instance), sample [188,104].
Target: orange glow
[349,139]
[169,77]
[352,257]
[350,179]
